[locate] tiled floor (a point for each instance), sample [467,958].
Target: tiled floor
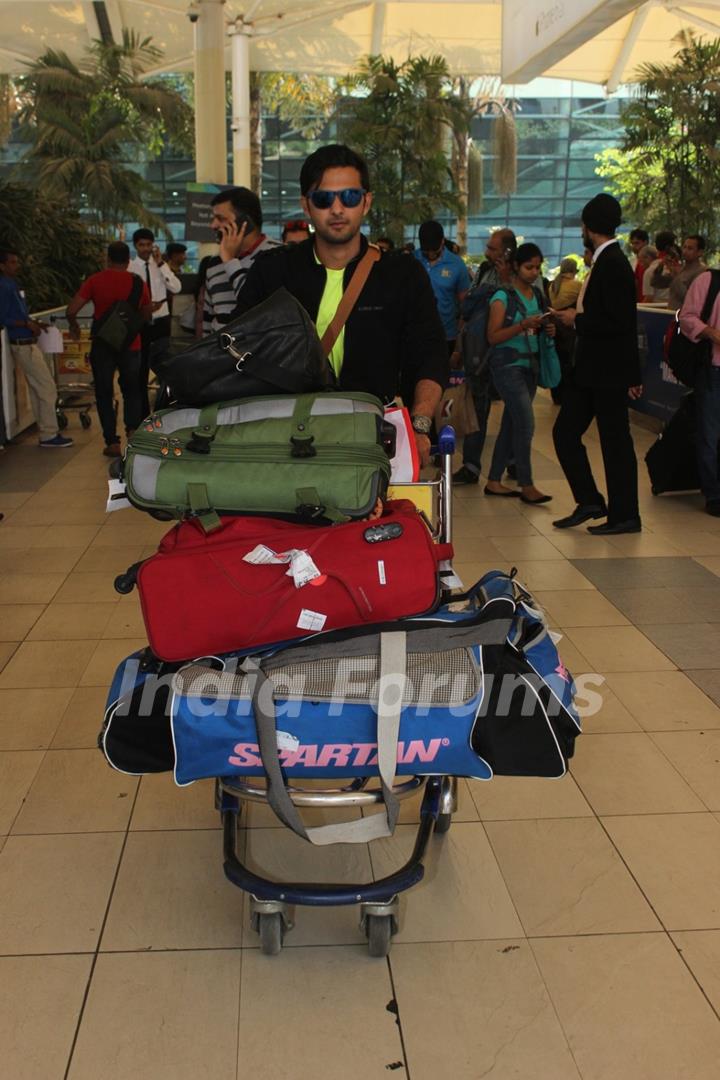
[565,929]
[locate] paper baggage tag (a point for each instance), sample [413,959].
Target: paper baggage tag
[302,569]
[311,620]
[117,499]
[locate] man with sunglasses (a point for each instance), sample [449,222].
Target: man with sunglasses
[393,341]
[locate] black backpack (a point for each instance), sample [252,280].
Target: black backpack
[684,357]
[121,322]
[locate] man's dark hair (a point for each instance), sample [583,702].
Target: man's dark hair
[5,252]
[174,248]
[430,235]
[118,253]
[664,239]
[243,201]
[334,156]
[143,234]
[699,240]
[639,234]
[525,253]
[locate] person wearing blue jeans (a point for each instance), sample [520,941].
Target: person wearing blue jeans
[473,443]
[514,363]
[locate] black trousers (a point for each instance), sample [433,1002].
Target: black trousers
[155,339]
[105,362]
[580,405]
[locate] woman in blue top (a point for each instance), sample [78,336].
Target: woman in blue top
[515,320]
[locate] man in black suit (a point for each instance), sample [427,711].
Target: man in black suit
[606,373]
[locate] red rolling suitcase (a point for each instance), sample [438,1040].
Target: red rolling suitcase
[259,581]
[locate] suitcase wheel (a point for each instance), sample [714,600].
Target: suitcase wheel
[443,823]
[654,490]
[379,930]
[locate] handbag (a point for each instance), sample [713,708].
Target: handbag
[271,349]
[550,371]
[458,409]
[684,357]
[118,326]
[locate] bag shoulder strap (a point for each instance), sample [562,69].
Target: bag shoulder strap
[349,298]
[393,662]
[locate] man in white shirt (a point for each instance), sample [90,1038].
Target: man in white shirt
[160,281]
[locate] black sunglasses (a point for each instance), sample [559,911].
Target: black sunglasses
[349,197]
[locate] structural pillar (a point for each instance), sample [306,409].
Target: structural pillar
[240,67]
[210,109]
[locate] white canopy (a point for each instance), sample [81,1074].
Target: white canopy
[285,35]
[326,36]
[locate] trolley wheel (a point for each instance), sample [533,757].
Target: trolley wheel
[271,931]
[379,931]
[85,421]
[654,490]
[62,420]
[443,823]
[161,515]
[124,583]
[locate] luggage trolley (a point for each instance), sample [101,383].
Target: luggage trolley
[271,901]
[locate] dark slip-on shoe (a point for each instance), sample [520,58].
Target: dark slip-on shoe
[580,515]
[632,525]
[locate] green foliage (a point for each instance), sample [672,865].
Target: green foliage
[667,173]
[399,123]
[82,120]
[305,102]
[56,248]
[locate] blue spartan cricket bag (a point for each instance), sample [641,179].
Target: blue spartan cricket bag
[476,692]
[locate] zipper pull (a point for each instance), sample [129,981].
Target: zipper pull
[164,447]
[175,444]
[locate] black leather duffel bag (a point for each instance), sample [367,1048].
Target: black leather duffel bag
[272,348]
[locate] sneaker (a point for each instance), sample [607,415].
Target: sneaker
[465,476]
[712,507]
[113,449]
[56,441]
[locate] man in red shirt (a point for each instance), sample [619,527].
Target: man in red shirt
[103,290]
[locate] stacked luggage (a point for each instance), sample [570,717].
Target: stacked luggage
[299,629]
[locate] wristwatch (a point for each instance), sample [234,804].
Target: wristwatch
[421,424]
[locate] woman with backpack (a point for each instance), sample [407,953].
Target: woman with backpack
[518,327]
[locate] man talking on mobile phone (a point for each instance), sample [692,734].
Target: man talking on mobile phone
[237,221]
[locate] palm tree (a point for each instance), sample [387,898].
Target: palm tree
[83,120]
[400,124]
[303,101]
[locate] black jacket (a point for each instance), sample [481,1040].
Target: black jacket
[606,353]
[393,336]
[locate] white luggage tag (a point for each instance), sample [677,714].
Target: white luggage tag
[117,499]
[302,569]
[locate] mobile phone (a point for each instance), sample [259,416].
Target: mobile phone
[546,315]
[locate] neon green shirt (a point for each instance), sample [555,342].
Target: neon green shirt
[329,302]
